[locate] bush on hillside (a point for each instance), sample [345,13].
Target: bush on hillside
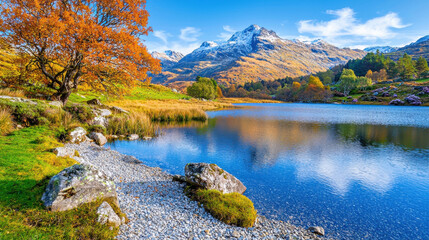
[81,112]
[204,88]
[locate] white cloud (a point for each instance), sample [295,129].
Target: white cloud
[162,35]
[345,25]
[189,34]
[228,31]
[179,46]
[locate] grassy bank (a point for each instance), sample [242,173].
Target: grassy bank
[25,169]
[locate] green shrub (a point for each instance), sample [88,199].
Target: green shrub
[231,208]
[81,112]
[203,88]
[62,134]
[97,128]
[6,123]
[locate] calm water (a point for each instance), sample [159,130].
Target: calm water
[361,172]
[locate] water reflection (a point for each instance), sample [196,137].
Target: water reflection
[334,173]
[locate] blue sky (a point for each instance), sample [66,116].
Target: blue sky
[182,25]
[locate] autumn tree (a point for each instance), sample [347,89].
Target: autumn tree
[80,42]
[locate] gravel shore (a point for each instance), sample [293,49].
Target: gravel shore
[157,208]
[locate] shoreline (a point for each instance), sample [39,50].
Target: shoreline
[157,207]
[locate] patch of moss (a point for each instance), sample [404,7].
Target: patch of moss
[231,208]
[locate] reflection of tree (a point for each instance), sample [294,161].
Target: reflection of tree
[210,124]
[408,137]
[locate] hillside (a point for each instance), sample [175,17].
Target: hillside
[415,49]
[255,54]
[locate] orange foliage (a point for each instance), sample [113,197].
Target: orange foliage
[72,43]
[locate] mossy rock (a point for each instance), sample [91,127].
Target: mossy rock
[230,208]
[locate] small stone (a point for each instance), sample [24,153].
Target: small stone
[78,135]
[64,152]
[133,137]
[235,234]
[317,230]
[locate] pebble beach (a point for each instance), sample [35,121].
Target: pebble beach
[157,208]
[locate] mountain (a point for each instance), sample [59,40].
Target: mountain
[415,49]
[168,57]
[381,49]
[255,54]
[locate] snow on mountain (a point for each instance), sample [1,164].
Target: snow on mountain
[421,40]
[168,56]
[255,54]
[381,49]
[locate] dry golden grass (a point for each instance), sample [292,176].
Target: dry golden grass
[6,122]
[11,92]
[135,123]
[171,110]
[246,100]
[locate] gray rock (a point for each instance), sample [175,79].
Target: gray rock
[64,152]
[100,120]
[18,99]
[210,176]
[98,138]
[106,214]
[94,102]
[120,110]
[133,137]
[78,135]
[56,104]
[105,112]
[317,230]
[77,185]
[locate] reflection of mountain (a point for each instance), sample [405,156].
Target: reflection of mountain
[338,155]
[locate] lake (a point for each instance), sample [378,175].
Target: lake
[361,172]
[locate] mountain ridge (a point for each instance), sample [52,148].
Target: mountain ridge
[255,54]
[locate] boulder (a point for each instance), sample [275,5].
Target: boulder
[317,230]
[105,112]
[100,120]
[56,104]
[98,138]
[78,135]
[64,152]
[106,214]
[77,185]
[210,176]
[133,137]
[94,102]
[396,102]
[18,99]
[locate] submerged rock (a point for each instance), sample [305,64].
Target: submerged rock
[210,176]
[106,214]
[98,138]
[77,185]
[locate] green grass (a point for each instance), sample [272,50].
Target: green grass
[26,165]
[154,92]
[143,92]
[231,208]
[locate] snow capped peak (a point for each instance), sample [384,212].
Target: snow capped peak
[246,35]
[209,44]
[381,49]
[168,55]
[420,40]
[318,42]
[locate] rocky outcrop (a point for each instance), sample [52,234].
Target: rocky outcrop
[317,230]
[119,110]
[99,120]
[18,99]
[78,135]
[56,104]
[98,138]
[210,176]
[106,215]
[77,185]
